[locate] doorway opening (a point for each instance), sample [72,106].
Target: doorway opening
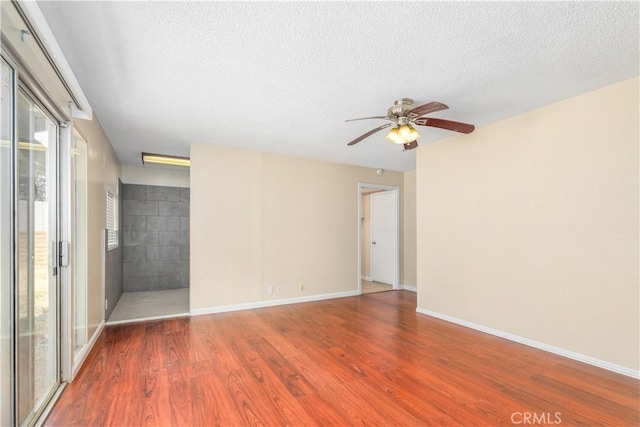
[378,238]
[152,255]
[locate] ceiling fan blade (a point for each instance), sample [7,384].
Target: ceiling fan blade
[371,132]
[410,145]
[445,124]
[421,110]
[367,118]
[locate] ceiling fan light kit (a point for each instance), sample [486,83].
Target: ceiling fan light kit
[403,117]
[403,134]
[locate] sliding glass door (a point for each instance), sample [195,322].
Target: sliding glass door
[36,224]
[43,197]
[29,301]
[7,82]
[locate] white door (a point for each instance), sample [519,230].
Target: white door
[383,237]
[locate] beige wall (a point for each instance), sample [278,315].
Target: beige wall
[260,220]
[226,231]
[409,244]
[530,225]
[152,175]
[103,170]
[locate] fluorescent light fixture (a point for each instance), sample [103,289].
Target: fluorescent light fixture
[162,159]
[32,146]
[24,145]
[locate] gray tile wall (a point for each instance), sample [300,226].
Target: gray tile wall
[155,234]
[113,277]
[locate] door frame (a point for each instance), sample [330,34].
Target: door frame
[396,218]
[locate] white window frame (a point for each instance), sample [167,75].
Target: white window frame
[112,221]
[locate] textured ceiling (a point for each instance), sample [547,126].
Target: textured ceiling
[283,77]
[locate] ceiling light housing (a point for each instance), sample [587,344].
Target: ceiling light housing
[163,159]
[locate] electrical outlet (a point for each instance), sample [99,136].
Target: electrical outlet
[279,289]
[269,290]
[106,304]
[301,287]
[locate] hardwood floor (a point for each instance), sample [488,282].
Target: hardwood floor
[369,359]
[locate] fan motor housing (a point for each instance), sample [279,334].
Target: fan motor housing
[400,107]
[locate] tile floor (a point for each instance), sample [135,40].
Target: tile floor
[135,306]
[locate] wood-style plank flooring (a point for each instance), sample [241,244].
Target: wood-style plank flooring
[362,360]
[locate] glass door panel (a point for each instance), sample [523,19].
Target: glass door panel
[6,284]
[36,305]
[79,240]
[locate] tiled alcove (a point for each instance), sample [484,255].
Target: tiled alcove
[155,237]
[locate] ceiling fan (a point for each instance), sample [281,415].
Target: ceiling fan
[403,116]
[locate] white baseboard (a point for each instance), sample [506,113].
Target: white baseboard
[366,278]
[271,303]
[86,350]
[531,343]
[409,288]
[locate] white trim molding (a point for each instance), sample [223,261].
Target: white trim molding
[396,194]
[55,55]
[535,344]
[366,278]
[82,356]
[271,303]
[409,288]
